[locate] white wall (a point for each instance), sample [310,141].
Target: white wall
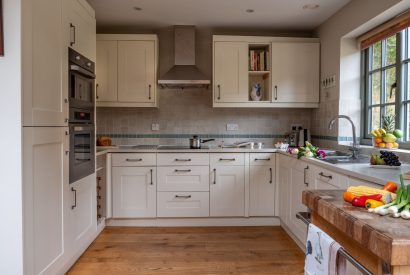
[11,251]
[340,57]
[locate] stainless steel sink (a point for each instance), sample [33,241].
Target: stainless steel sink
[345,159]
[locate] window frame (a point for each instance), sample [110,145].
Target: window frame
[402,97]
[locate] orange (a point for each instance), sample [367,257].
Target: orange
[382,144]
[389,145]
[348,197]
[378,140]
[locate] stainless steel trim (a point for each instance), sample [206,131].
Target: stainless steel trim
[183,170]
[82,71]
[305,218]
[75,198]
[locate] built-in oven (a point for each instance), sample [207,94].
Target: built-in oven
[82,80]
[82,151]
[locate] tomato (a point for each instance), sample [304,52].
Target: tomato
[348,197]
[390,186]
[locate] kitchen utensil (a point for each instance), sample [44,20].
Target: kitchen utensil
[195,142]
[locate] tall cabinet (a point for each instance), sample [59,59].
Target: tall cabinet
[127,70]
[55,232]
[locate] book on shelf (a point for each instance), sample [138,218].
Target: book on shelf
[258,60]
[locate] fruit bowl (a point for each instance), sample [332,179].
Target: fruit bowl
[378,143]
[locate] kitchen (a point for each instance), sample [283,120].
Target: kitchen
[173,93]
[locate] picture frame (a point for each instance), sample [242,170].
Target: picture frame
[1,30]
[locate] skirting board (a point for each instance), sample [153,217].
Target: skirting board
[180,222]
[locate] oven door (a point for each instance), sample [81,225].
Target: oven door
[81,90]
[82,151]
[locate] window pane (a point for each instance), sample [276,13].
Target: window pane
[390,110]
[375,117]
[376,55]
[391,50]
[376,85]
[390,90]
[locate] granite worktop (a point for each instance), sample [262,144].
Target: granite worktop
[386,237]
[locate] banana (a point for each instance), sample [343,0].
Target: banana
[374,134]
[383,131]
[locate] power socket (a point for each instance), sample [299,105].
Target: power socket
[232,127]
[297,126]
[155,126]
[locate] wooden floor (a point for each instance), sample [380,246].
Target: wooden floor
[183,251]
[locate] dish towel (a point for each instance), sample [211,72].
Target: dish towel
[322,254]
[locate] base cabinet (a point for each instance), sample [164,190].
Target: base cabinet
[227,191]
[45,190]
[134,192]
[83,213]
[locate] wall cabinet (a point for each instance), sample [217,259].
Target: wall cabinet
[134,192]
[295,72]
[289,79]
[127,70]
[230,71]
[45,192]
[262,185]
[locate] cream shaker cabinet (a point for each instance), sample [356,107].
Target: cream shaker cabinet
[262,184]
[230,71]
[127,70]
[295,72]
[46,194]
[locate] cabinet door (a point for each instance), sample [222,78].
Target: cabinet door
[83,212]
[230,72]
[262,191]
[44,92]
[80,27]
[283,187]
[298,183]
[107,65]
[136,71]
[295,72]
[227,191]
[134,192]
[45,181]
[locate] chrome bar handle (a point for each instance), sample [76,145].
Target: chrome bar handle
[183,197]
[152,180]
[149,91]
[182,159]
[304,175]
[183,170]
[72,27]
[271,175]
[325,176]
[268,159]
[276,92]
[222,159]
[219,92]
[133,160]
[96,90]
[75,198]
[214,176]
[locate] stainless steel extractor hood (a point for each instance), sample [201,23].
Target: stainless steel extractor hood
[184,73]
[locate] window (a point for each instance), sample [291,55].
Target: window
[386,83]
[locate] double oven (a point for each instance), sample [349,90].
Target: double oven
[81,116]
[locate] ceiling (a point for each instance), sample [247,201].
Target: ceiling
[268,14]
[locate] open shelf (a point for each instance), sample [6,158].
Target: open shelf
[259,71]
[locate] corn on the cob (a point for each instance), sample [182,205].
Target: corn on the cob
[366,190]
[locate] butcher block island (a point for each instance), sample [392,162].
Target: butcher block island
[380,243]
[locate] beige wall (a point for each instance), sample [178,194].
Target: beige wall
[340,56]
[190,111]
[11,236]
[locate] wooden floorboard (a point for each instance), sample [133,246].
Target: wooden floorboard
[189,251]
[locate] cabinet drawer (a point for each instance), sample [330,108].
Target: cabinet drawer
[265,159]
[134,159]
[324,176]
[183,159]
[183,178]
[227,159]
[183,204]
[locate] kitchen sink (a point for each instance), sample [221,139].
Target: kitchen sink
[346,159]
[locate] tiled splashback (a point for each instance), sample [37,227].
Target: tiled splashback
[184,113]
